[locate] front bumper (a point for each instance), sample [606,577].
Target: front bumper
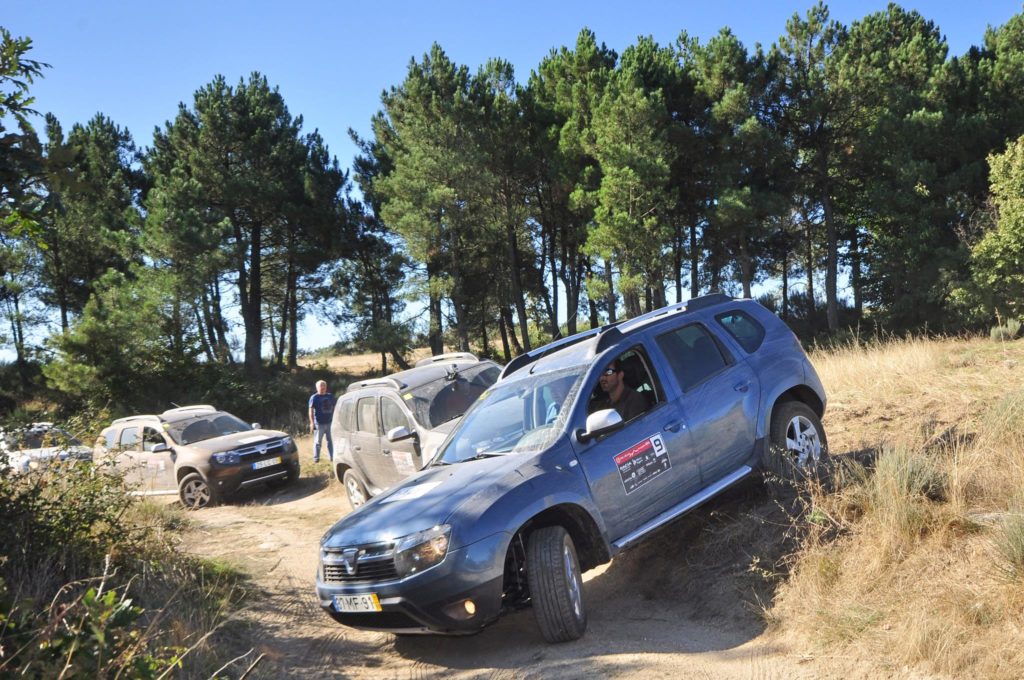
[432,601]
[230,479]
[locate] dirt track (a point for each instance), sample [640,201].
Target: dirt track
[678,606]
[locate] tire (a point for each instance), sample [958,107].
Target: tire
[797,445]
[556,585]
[195,493]
[355,490]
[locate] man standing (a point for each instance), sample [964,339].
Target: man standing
[621,397]
[321,408]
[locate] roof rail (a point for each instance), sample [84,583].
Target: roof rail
[450,356]
[533,355]
[129,418]
[708,300]
[186,409]
[375,382]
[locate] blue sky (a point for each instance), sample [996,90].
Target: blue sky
[135,62]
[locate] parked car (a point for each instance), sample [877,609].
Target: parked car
[516,505]
[386,429]
[37,445]
[202,454]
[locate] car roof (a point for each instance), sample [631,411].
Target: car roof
[586,346]
[170,415]
[422,373]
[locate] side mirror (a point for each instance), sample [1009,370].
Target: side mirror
[600,423]
[160,448]
[397,434]
[256,426]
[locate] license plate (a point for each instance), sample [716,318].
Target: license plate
[266,463]
[357,603]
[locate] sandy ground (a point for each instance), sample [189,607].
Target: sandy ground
[679,606]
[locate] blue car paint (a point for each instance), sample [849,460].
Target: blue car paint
[715,431]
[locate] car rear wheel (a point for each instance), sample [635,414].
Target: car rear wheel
[195,493]
[556,585]
[797,446]
[357,495]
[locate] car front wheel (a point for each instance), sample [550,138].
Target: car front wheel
[357,495]
[556,585]
[798,447]
[195,493]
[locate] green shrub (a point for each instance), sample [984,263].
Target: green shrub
[1008,331]
[1009,542]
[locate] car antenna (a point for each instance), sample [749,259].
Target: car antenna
[175,405]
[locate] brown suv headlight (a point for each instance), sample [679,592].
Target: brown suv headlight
[226,458]
[422,550]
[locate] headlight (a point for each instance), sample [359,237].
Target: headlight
[227,458]
[422,550]
[288,443]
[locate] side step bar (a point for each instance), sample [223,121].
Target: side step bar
[684,507]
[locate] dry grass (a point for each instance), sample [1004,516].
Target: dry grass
[920,564]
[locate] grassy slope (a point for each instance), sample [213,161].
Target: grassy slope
[915,558]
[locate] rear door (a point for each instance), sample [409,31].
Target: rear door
[128,456]
[366,450]
[718,398]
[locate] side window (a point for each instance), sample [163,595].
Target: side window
[366,415]
[692,354]
[110,439]
[150,438]
[744,328]
[629,375]
[392,414]
[129,437]
[347,415]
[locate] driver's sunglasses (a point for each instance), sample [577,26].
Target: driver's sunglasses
[610,371]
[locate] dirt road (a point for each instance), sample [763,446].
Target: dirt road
[682,605]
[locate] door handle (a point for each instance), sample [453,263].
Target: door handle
[386,452]
[673,427]
[742,387]
[357,448]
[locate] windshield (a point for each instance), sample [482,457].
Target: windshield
[516,417]
[445,399]
[204,426]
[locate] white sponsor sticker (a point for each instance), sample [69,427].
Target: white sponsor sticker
[411,492]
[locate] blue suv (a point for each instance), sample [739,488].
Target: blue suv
[581,449]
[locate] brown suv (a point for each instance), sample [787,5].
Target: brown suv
[199,452]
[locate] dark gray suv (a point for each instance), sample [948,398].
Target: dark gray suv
[385,429]
[558,467]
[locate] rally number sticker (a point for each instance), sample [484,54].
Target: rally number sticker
[642,462]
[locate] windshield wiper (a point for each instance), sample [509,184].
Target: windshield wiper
[485,454]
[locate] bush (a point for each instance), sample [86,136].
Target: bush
[91,585]
[1008,331]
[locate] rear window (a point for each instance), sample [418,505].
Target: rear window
[347,415]
[743,328]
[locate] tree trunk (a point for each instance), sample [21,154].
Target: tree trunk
[293,319]
[435,333]
[855,275]
[832,266]
[812,309]
[517,282]
[745,265]
[506,317]
[694,263]
[785,284]
[399,360]
[595,314]
[504,338]
[553,305]
[204,335]
[251,297]
[677,262]
[610,296]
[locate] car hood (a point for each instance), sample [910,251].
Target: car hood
[425,500]
[235,440]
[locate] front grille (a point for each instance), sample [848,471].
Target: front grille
[359,564]
[255,452]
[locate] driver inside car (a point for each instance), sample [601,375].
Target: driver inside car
[618,395]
